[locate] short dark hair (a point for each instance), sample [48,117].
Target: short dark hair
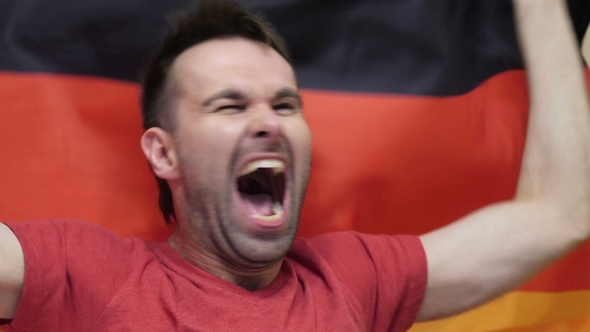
[210,19]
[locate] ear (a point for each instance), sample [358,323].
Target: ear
[160,150]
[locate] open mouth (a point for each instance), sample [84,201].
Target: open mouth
[261,186]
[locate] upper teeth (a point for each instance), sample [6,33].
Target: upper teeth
[277,166]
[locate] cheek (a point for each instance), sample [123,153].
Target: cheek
[302,136]
[219,140]
[211,135]
[301,146]
[210,145]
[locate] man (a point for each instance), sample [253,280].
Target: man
[226,137]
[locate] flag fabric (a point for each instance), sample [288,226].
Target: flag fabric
[418,112]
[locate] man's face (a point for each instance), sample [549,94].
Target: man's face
[243,149]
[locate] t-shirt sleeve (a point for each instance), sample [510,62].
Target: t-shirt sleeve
[387,274]
[72,271]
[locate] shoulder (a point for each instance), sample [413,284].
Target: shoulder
[57,227]
[387,274]
[73,269]
[355,256]
[366,246]
[72,244]
[77,247]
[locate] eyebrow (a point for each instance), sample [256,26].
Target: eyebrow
[237,95]
[289,93]
[225,94]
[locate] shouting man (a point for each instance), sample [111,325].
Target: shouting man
[228,143]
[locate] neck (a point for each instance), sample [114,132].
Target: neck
[245,275]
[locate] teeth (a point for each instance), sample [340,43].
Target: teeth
[277,166]
[277,213]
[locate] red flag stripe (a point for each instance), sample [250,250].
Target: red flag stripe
[382,163]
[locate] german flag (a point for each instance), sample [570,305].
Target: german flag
[418,111]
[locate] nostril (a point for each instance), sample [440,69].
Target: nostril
[262,134]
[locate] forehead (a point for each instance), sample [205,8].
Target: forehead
[232,63]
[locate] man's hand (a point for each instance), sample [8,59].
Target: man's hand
[500,247]
[12,272]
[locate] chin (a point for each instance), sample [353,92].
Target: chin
[264,251]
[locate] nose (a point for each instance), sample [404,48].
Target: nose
[265,123]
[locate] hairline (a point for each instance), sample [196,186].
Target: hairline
[166,102]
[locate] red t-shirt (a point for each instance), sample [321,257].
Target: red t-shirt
[81,277]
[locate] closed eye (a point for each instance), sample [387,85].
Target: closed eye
[286,108]
[230,109]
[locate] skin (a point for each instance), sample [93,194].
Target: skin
[12,272]
[500,246]
[505,244]
[235,100]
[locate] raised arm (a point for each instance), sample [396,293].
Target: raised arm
[12,272]
[500,247]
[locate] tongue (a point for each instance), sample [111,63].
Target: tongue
[257,204]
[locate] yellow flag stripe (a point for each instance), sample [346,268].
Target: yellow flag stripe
[517,310]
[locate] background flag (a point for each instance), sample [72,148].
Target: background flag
[418,111]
